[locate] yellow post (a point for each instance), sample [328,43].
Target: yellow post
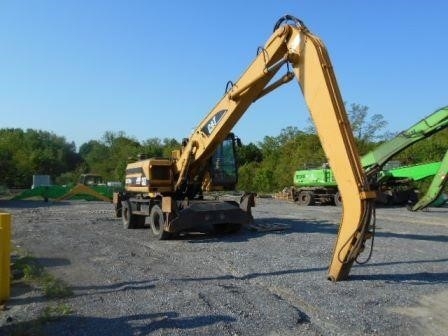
[5,255]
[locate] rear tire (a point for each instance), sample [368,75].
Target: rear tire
[156,222]
[306,198]
[129,221]
[118,211]
[337,199]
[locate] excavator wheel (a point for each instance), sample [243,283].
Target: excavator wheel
[128,219]
[156,222]
[118,211]
[306,198]
[337,199]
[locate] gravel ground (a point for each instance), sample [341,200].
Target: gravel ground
[250,283]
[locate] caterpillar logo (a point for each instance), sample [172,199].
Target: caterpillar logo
[213,122]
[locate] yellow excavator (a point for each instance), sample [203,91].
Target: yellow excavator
[170,190]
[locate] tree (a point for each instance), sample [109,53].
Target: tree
[153,147]
[248,153]
[366,129]
[39,152]
[281,155]
[169,145]
[109,156]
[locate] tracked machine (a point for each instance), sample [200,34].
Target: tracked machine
[170,190]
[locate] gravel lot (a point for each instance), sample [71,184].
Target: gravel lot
[251,283]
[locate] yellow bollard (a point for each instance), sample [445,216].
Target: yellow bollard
[5,256]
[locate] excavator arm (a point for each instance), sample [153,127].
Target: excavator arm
[293,45]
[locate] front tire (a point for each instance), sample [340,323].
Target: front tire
[156,222]
[306,198]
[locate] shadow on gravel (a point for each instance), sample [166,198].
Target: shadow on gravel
[247,233]
[255,275]
[389,263]
[142,324]
[52,262]
[116,287]
[422,278]
[21,289]
[27,204]
[435,238]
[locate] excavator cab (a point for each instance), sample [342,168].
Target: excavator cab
[223,167]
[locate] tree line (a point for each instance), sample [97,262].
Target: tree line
[263,167]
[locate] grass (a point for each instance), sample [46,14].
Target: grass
[55,312]
[34,273]
[27,270]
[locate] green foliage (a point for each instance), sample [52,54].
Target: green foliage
[45,153]
[54,312]
[294,149]
[366,128]
[25,153]
[28,271]
[282,155]
[32,272]
[110,156]
[428,150]
[248,153]
[246,179]
[264,167]
[169,145]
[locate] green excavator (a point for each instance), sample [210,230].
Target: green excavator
[318,186]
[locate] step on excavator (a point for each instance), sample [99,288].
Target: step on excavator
[169,191]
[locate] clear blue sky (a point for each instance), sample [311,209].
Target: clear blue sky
[155,68]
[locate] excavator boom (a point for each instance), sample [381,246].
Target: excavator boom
[294,45]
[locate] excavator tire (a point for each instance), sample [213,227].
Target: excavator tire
[118,211]
[128,219]
[337,199]
[306,198]
[156,222]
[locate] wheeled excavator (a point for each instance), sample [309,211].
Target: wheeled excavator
[170,190]
[319,185]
